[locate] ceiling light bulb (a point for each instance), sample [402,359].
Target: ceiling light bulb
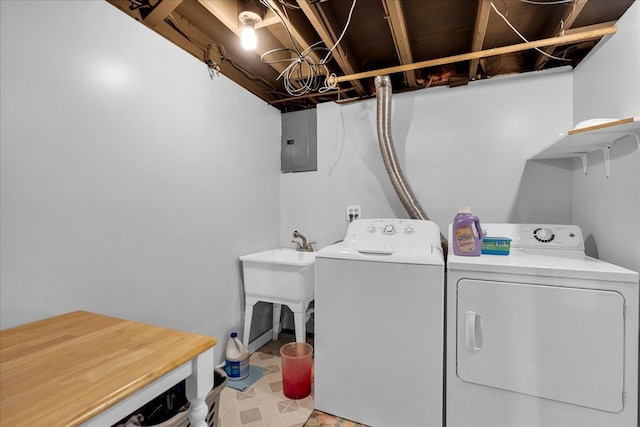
[248,36]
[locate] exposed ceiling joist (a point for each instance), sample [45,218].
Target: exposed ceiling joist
[482,21]
[160,12]
[395,17]
[227,12]
[562,27]
[281,34]
[376,37]
[320,23]
[338,92]
[560,40]
[199,45]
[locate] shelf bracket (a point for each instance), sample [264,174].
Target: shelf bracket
[584,157]
[635,135]
[606,151]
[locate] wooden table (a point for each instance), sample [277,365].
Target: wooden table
[88,369]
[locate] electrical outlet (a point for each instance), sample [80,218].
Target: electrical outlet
[353,212]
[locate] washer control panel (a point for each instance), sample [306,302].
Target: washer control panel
[390,229]
[388,235]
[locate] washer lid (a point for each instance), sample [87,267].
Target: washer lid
[425,255]
[541,262]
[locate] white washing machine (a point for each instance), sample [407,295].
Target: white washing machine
[545,336]
[379,324]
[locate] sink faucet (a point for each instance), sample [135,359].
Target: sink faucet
[304,247]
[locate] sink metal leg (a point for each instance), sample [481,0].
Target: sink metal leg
[277,311]
[300,320]
[248,314]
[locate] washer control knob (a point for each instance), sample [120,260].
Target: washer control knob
[408,230]
[543,235]
[371,229]
[389,229]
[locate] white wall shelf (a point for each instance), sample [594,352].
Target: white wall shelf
[582,142]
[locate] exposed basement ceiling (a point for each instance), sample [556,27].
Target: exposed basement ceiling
[419,43]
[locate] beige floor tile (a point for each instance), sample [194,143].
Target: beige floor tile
[256,424]
[269,412]
[307,403]
[230,419]
[250,415]
[277,422]
[295,417]
[263,404]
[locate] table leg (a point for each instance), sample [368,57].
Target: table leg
[199,384]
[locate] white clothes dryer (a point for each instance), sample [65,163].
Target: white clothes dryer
[545,336]
[379,324]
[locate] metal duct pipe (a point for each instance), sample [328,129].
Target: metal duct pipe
[399,182]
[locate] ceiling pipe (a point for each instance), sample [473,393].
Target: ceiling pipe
[388,151]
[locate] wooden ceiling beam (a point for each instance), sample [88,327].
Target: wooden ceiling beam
[160,12]
[199,45]
[312,95]
[280,33]
[398,26]
[195,43]
[153,15]
[227,12]
[319,21]
[560,40]
[482,21]
[303,44]
[565,25]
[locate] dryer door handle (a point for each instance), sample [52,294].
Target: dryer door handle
[472,331]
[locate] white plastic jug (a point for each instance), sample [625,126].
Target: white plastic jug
[237,359]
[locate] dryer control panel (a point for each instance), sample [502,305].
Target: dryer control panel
[538,236]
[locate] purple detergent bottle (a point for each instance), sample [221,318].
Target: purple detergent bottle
[466,233]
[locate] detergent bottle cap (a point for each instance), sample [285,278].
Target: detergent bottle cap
[234,334]
[464,209]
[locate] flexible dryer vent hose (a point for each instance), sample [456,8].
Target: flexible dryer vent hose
[399,182]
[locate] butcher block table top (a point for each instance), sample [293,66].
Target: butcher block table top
[67,369]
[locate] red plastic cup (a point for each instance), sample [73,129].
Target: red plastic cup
[297,360]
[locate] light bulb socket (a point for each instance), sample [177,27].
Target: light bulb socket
[250,10]
[250,13]
[246,16]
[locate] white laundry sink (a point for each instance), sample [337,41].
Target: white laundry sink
[279,275]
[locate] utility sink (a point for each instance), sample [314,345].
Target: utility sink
[279,276]
[283,274]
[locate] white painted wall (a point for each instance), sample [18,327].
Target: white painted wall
[607,85]
[127,187]
[128,190]
[457,146]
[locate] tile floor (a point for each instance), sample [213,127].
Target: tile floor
[264,404]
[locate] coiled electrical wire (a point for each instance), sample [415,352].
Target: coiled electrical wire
[304,73]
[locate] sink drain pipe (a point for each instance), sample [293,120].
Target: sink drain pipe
[399,182]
